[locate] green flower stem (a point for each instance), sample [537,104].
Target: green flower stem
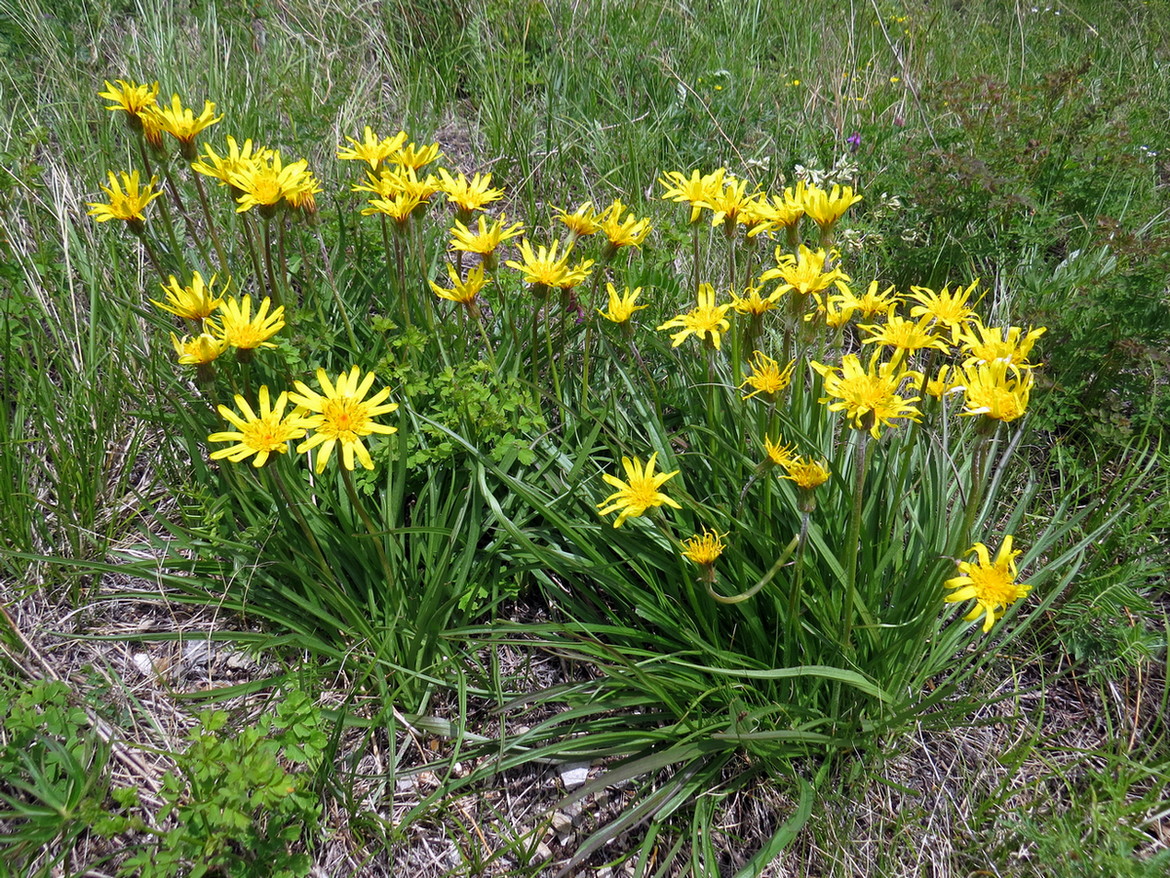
[192,230]
[295,508]
[273,289]
[548,346]
[374,533]
[224,271]
[794,594]
[975,490]
[852,541]
[695,258]
[764,580]
[589,340]
[337,300]
[253,250]
[151,254]
[400,264]
[282,256]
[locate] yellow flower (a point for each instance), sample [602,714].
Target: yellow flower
[870,398]
[200,350]
[342,414]
[621,308]
[780,212]
[753,304]
[182,123]
[837,309]
[264,183]
[825,208]
[704,550]
[130,97]
[371,149]
[707,319]
[992,584]
[633,497]
[404,180]
[904,336]
[485,240]
[808,474]
[629,232]
[576,274]
[873,302]
[415,157]
[259,434]
[779,454]
[194,301]
[767,377]
[946,308]
[727,200]
[239,160]
[239,329]
[582,222]
[986,344]
[542,267]
[400,208]
[462,291]
[990,390]
[940,385]
[127,201]
[696,190]
[304,192]
[804,273]
[468,195]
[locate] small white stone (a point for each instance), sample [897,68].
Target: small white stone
[562,822]
[143,664]
[574,774]
[543,852]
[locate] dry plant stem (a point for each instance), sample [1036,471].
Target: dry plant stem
[360,509]
[253,251]
[860,467]
[337,300]
[225,273]
[273,289]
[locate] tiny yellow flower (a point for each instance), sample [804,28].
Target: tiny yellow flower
[485,240]
[200,350]
[371,149]
[869,397]
[462,291]
[767,377]
[753,304]
[704,549]
[265,182]
[468,195]
[415,157]
[825,208]
[803,273]
[629,232]
[260,434]
[239,160]
[872,302]
[947,309]
[997,390]
[991,584]
[639,493]
[706,320]
[904,336]
[182,123]
[130,97]
[127,200]
[778,453]
[341,414]
[241,330]
[621,308]
[697,190]
[582,222]
[542,268]
[808,474]
[986,344]
[400,208]
[194,301]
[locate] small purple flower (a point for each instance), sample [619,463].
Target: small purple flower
[854,141]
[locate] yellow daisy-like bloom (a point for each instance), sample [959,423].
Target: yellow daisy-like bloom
[265,183]
[803,273]
[639,493]
[371,149]
[727,200]
[582,222]
[304,195]
[997,389]
[808,474]
[128,200]
[260,434]
[182,123]
[991,584]
[342,414]
[697,190]
[942,384]
[869,397]
[130,97]
[944,307]
[767,377]
[575,275]
[753,304]
[241,330]
[485,240]
[401,179]
[704,549]
[239,160]
[542,268]
[904,336]
[779,212]
[629,232]
[400,208]
[872,302]
[200,350]
[707,319]
[194,301]
[621,308]
[415,157]
[462,291]
[778,453]
[468,195]
[837,309]
[987,344]
[825,208]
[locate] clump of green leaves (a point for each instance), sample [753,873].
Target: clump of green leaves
[242,800]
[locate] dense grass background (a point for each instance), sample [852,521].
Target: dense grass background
[1026,144]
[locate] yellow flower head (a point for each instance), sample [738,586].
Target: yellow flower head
[697,190]
[904,336]
[260,434]
[468,195]
[182,123]
[400,208]
[779,212]
[704,549]
[582,222]
[942,384]
[872,302]
[462,291]
[542,268]
[485,240]
[629,232]
[576,274]
[778,453]
[767,377]
[239,160]
[947,309]
[194,301]
[400,179]
[241,330]
[127,201]
[707,319]
[371,149]
[825,208]
[991,584]
[130,97]
[803,273]
[753,304]
[200,350]
[837,309]
[268,181]
[996,389]
[986,344]
[639,493]
[869,397]
[415,157]
[621,308]
[808,474]
[342,414]
[727,200]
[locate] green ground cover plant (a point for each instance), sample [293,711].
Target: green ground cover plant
[726,368]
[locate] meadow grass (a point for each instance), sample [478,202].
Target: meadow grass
[1039,167]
